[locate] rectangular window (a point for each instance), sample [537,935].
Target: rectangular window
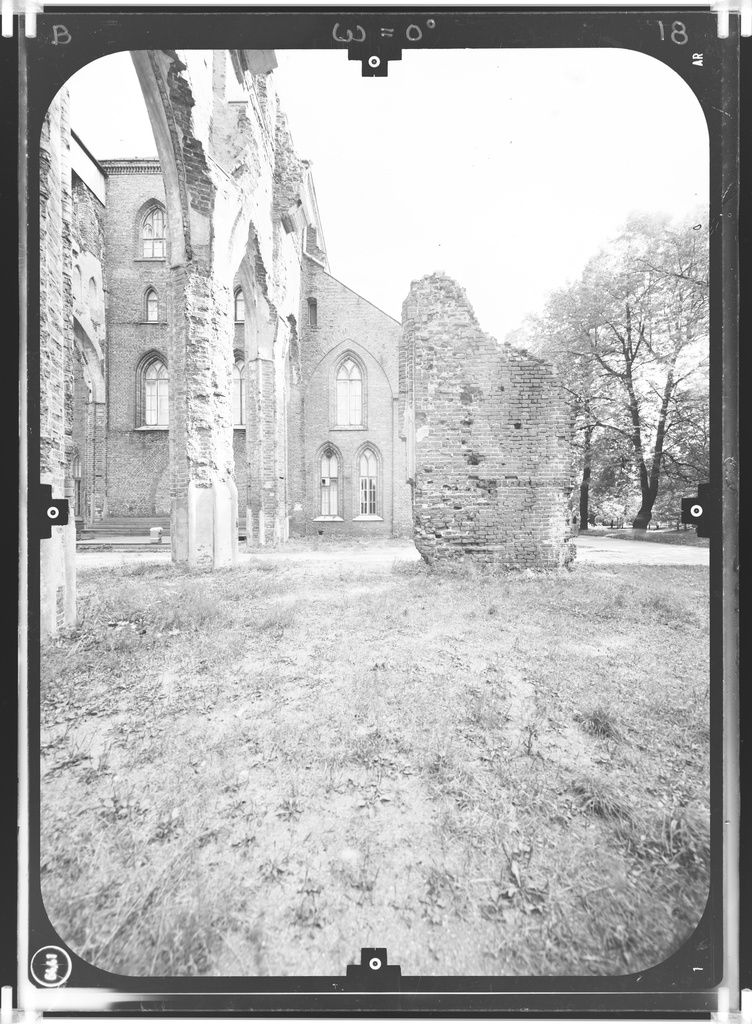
[343,401]
[151,403]
[238,403]
[313,313]
[355,403]
[367,496]
[156,403]
[162,402]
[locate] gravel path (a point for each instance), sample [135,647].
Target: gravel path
[597,550]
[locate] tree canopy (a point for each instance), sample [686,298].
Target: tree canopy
[630,339]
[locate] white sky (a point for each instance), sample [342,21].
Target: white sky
[508,169]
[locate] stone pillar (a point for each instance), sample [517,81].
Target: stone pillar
[57,555]
[203,523]
[204,208]
[261,451]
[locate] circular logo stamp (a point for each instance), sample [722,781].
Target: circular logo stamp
[51,966]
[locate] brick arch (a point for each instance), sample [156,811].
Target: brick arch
[92,361]
[153,69]
[359,352]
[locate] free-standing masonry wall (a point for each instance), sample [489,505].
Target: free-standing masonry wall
[488,436]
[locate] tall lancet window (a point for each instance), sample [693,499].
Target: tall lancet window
[369,469]
[153,234]
[329,483]
[152,306]
[155,395]
[239,306]
[349,395]
[238,393]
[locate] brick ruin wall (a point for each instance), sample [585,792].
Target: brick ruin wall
[56,365]
[138,478]
[89,418]
[488,435]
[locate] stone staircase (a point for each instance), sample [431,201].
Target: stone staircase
[125,526]
[129,533]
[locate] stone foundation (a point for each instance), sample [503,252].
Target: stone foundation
[488,437]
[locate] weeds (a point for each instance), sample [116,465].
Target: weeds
[599,723]
[597,796]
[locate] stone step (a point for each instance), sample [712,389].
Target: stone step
[134,528]
[129,540]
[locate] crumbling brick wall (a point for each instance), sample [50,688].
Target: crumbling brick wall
[89,418]
[488,436]
[56,366]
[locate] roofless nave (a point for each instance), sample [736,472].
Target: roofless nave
[198,358]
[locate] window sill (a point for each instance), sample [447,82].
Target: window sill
[371,519]
[328,519]
[154,426]
[153,323]
[238,426]
[149,259]
[342,426]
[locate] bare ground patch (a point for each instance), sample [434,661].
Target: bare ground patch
[259,771]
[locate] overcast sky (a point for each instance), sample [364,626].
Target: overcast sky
[507,169]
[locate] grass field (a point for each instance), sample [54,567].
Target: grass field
[260,770]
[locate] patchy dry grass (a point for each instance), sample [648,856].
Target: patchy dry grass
[260,770]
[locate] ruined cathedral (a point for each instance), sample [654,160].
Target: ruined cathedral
[201,366]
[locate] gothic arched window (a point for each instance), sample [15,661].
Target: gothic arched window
[329,483]
[238,393]
[153,234]
[239,306]
[369,474]
[349,395]
[151,305]
[156,390]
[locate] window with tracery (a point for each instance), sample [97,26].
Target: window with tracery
[329,483]
[349,395]
[369,471]
[156,389]
[153,234]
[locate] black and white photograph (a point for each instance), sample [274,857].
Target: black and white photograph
[374,392]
